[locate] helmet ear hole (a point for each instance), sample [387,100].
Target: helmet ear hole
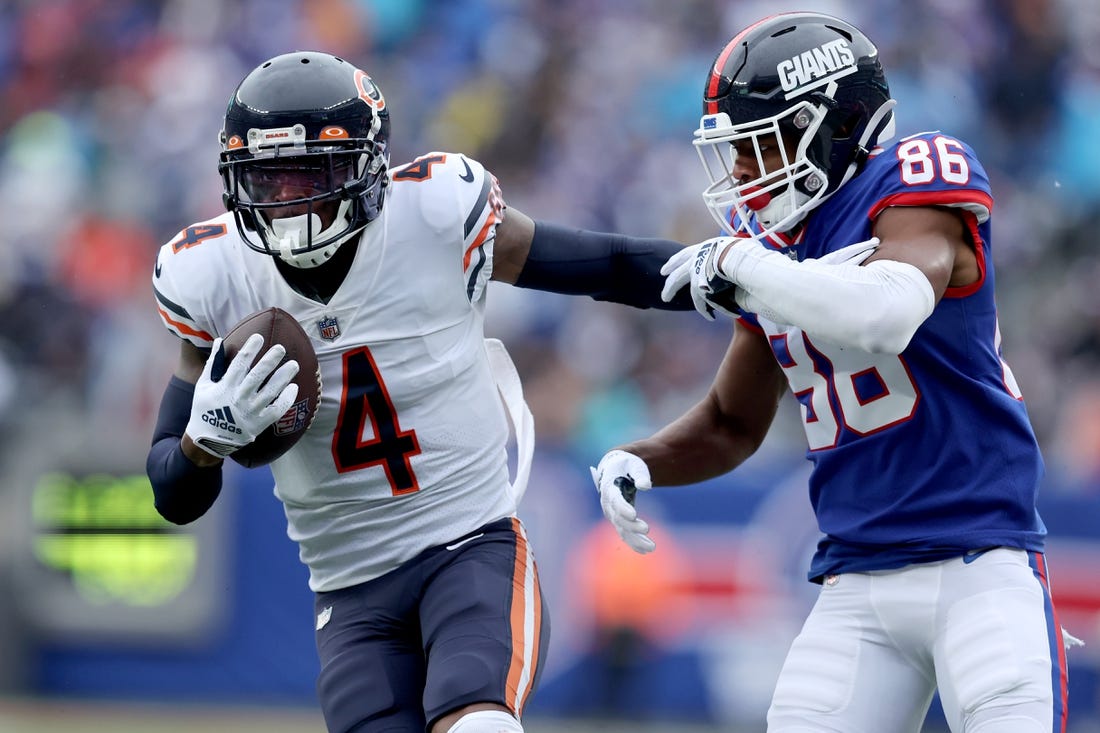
[361,179]
[843,123]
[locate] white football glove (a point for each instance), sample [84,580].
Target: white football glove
[233,405]
[696,267]
[618,477]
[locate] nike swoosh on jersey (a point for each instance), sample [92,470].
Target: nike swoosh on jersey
[460,543]
[973,555]
[468,176]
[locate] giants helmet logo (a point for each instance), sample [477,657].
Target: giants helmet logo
[818,66]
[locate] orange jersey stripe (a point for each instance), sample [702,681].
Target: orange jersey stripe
[536,635]
[525,645]
[481,236]
[183,327]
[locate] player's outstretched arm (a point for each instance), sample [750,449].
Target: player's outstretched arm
[612,267]
[871,295]
[727,425]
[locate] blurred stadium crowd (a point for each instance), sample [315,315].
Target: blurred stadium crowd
[584,110]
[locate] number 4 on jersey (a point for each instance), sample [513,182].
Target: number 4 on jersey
[365,398]
[197,234]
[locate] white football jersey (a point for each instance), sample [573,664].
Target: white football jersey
[408,448]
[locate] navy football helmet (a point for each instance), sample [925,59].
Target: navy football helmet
[812,81]
[304,156]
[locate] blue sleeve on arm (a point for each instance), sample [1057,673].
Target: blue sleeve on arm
[182,491]
[610,267]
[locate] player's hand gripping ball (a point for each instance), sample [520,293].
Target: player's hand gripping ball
[279,327]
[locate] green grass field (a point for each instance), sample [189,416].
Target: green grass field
[58,716]
[52,716]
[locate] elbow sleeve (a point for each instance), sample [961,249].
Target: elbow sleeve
[876,308]
[907,300]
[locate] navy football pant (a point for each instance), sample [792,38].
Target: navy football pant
[456,625]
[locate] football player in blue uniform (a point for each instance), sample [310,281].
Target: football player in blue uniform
[429,612]
[864,283]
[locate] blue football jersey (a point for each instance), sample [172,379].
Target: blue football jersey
[928,454]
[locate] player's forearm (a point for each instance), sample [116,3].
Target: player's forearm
[183,488]
[610,267]
[698,446]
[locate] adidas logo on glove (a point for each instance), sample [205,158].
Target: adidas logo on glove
[222,419]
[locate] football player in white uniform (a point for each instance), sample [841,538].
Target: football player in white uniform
[429,613]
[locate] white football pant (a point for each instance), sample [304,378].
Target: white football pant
[877,645]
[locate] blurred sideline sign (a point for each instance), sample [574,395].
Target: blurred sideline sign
[97,560]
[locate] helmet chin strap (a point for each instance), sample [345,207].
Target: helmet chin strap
[288,232]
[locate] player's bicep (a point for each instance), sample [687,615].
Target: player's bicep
[513,243]
[931,239]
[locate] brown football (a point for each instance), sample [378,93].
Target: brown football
[279,327]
